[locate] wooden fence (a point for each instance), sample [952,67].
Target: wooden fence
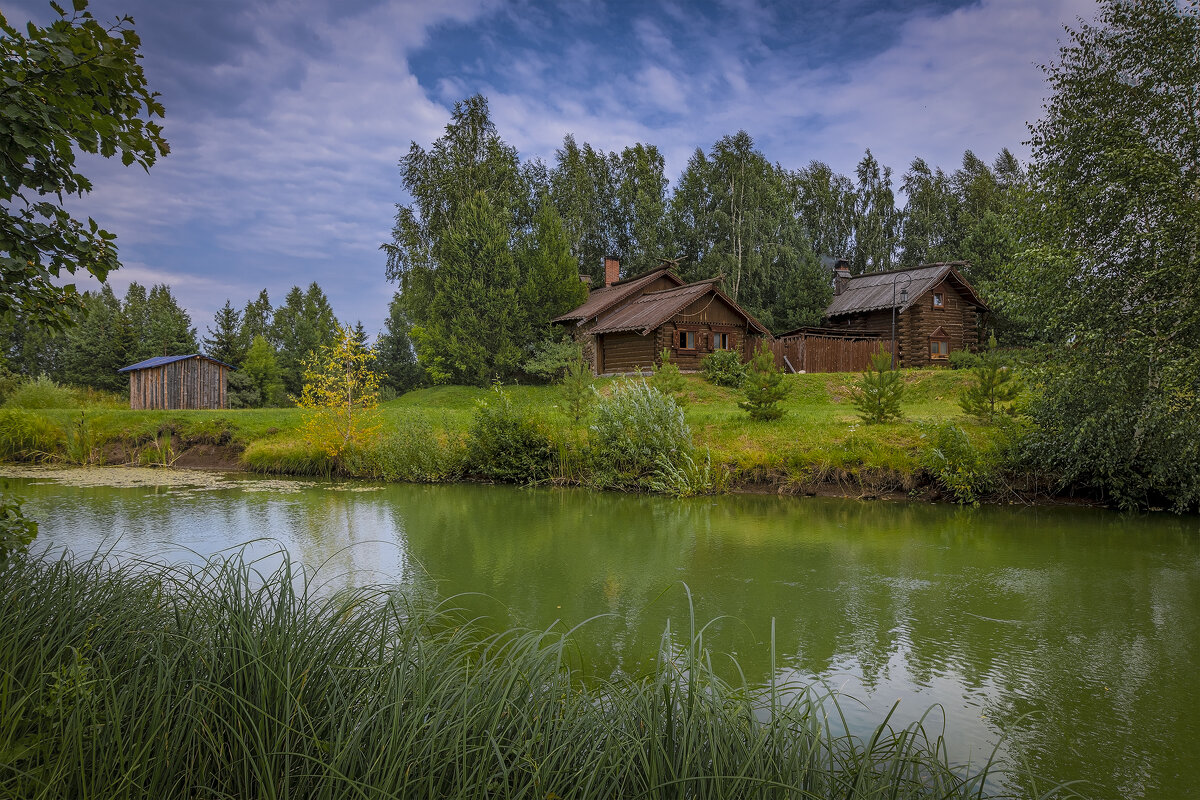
[808,352]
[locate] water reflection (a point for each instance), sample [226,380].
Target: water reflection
[1074,631]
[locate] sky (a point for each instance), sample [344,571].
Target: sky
[287,118]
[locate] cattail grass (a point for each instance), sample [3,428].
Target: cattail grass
[120,679]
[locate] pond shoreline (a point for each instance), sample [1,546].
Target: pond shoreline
[224,459]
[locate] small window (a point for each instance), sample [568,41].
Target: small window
[939,349]
[939,300]
[687,340]
[721,341]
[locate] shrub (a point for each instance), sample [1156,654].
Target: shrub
[553,358]
[25,436]
[724,368]
[964,359]
[666,376]
[81,443]
[685,476]
[42,392]
[958,466]
[415,452]
[878,392]
[764,387]
[505,443]
[636,427]
[288,457]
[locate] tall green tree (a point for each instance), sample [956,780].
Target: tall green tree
[73,86]
[225,340]
[302,325]
[877,221]
[1110,264]
[256,318]
[396,358]
[825,202]
[550,280]
[474,331]
[265,378]
[98,345]
[583,187]
[169,330]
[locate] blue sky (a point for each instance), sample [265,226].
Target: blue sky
[287,119]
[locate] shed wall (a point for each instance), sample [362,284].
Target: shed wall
[191,384]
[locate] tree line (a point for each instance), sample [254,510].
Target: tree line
[266,345]
[484,226]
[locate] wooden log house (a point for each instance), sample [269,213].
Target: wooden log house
[624,326]
[936,311]
[178,382]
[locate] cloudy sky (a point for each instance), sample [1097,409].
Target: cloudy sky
[287,119]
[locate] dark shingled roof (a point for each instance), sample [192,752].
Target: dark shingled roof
[874,291]
[601,299]
[158,361]
[654,308]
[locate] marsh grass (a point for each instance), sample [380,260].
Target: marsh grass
[122,680]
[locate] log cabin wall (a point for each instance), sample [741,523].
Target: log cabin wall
[194,383]
[626,352]
[956,317]
[706,316]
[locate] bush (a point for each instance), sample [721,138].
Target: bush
[42,392]
[636,427]
[764,387]
[685,476]
[579,390]
[958,466]
[553,358]
[994,390]
[964,359]
[26,437]
[724,368]
[505,443]
[415,453]
[879,390]
[666,376]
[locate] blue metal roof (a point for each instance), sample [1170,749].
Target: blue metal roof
[158,361]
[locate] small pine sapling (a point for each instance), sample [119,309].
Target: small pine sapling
[879,390]
[667,378]
[578,389]
[764,387]
[996,387]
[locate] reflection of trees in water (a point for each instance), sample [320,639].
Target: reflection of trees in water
[1088,618]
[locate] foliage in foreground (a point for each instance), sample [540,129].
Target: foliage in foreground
[144,681]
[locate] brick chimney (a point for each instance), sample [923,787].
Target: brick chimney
[612,270]
[841,276]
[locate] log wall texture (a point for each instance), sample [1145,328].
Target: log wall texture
[190,384]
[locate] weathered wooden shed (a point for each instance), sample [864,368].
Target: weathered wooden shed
[178,382]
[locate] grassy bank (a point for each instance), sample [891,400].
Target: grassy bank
[144,681]
[424,436]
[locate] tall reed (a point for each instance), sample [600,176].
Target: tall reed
[121,680]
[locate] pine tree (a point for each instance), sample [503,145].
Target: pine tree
[396,358]
[169,330]
[256,319]
[475,327]
[301,326]
[764,387]
[224,341]
[995,387]
[879,390]
[552,284]
[98,345]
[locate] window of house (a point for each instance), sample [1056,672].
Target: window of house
[939,300]
[721,341]
[939,348]
[687,340]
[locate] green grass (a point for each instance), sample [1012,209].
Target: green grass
[123,680]
[819,440]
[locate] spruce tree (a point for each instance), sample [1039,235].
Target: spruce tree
[224,341]
[256,319]
[397,360]
[475,327]
[764,387]
[98,345]
[994,389]
[301,326]
[879,390]
[261,367]
[169,330]
[551,283]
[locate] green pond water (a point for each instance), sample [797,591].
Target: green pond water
[1074,632]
